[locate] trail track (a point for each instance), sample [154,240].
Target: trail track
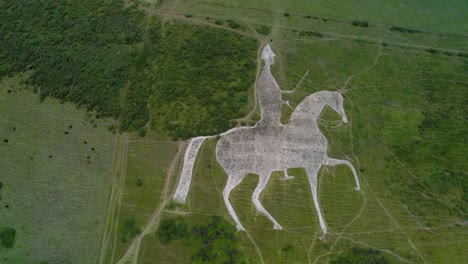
[131,256]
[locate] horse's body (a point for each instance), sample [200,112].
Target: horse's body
[271,147]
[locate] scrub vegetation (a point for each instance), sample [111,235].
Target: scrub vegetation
[202,79]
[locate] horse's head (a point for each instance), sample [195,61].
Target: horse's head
[335,101]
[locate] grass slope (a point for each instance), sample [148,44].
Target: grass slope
[54,184]
[406,137]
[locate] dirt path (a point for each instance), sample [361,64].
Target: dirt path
[119,163]
[121,184]
[131,256]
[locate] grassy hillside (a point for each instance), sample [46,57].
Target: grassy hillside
[55,177]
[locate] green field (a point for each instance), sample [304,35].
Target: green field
[158,72]
[55,185]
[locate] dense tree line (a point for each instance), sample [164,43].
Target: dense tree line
[109,59]
[76,49]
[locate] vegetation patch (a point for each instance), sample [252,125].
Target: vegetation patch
[264,30]
[130,230]
[405,30]
[233,24]
[202,80]
[7,237]
[358,23]
[217,242]
[171,229]
[361,255]
[72,58]
[310,34]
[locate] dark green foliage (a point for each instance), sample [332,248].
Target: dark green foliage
[1,185]
[219,22]
[361,256]
[142,132]
[218,242]
[310,34]
[135,112]
[360,23]
[188,15]
[308,17]
[130,230]
[77,51]
[233,24]
[433,51]
[7,237]
[287,248]
[264,30]
[202,80]
[286,14]
[171,229]
[139,182]
[405,30]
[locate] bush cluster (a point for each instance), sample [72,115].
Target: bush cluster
[7,237]
[405,30]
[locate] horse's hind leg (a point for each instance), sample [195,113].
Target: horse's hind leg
[334,162]
[232,182]
[262,182]
[312,175]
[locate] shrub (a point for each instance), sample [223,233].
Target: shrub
[405,30]
[264,30]
[7,237]
[171,229]
[130,230]
[219,22]
[139,182]
[361,255]
[286,14]
[233,24]
[188,15]
[310,34]
[360,23]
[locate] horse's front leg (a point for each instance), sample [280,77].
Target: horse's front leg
[334,162]
[312,173]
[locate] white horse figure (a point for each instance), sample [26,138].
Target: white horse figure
[271,146]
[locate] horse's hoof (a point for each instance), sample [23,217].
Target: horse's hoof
[357,188]
[277,227]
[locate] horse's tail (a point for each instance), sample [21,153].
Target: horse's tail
[186,176]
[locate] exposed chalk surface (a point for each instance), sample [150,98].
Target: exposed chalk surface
[271,146]
[187,169]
